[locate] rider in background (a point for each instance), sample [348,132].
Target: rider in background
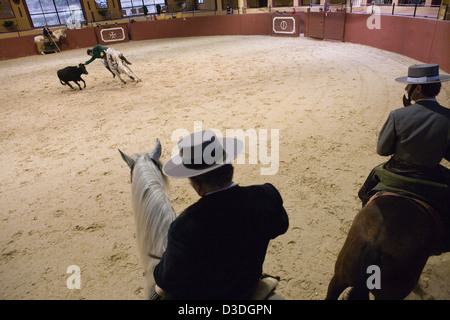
[100,52]
[47,33]
[417,137]
[216,247]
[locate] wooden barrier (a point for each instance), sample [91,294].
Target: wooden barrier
[315,24]
[440,46]
[249,24]
[335,26]
[11,48]
[79,38]
[425,40]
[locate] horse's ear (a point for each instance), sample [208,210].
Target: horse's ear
[129,160]
[156,153]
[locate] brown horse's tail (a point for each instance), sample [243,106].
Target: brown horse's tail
[370,256]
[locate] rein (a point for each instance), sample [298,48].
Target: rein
[151,255]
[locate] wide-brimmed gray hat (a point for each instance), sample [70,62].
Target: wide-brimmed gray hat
[423,74]
[201,152]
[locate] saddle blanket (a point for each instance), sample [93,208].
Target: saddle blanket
[433,193]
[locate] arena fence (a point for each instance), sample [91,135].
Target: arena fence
[431,34]
[19,27]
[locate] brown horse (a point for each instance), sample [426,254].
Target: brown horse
[396,234]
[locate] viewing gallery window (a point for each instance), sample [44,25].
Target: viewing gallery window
[101,4]
[133,6]
[54,12]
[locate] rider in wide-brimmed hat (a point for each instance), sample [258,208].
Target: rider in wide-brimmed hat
[417,136]
[216,247]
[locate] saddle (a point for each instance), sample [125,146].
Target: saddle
[433,193]
[432,196]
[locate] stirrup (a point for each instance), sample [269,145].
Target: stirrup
[266,286]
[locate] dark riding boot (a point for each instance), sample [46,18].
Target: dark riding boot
[124,59]
[365,193]
[107,67]
[114,75]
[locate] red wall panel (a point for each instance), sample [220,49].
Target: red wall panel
[79,38]
[11,48]
[250,24]
[425,40]
[440,47]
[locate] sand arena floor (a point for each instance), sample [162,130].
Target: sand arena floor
[65,191]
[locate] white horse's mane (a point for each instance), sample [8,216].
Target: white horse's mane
[153,212]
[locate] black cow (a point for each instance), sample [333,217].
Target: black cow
[72,74]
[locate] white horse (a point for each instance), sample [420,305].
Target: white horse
[118,64]
[153,211]
[40,40]
[153,215]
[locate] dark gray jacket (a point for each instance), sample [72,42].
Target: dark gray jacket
[418,134]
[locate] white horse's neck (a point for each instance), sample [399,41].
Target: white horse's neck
[153,214]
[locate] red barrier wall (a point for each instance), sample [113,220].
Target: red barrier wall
[249,24]
[421,39]
[314,24]
[11,48]
[334,26]
[440,47]
[323,25]
[79,38]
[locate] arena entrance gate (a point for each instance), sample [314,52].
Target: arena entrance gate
[325,25]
